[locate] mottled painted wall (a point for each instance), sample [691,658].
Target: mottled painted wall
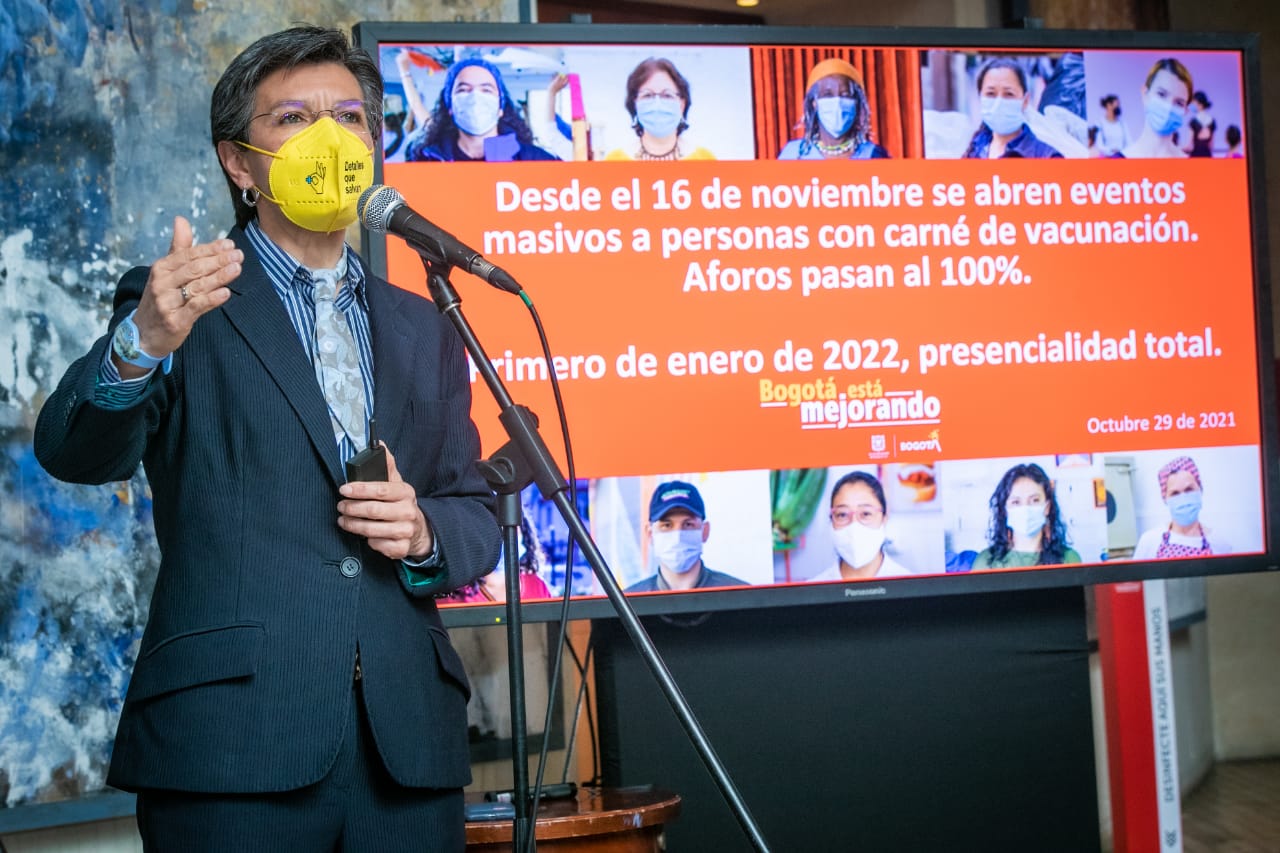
[104,138]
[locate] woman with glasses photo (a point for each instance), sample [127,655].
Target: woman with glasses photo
[658,102]
[1026,524]
[858,529]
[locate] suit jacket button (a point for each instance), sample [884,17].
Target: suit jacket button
[350,567]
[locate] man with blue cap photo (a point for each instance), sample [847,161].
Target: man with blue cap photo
[678,529]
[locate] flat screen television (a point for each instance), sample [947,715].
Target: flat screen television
[898,312]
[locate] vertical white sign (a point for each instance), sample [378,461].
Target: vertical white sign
[1164,730]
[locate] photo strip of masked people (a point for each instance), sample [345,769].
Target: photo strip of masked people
[678,528]
[295,688]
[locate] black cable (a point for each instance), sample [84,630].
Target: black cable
[572,740]
[593,730]
[582,665]
[562,638]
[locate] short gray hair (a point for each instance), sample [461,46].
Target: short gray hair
[231,107]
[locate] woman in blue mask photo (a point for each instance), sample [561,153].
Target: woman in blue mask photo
[658,102]
[475,119]
[1165,98]
[837,121]
[1185,535]
[1026,525]
[1005,98]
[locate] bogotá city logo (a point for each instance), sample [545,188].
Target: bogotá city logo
[933,442]
[821,404]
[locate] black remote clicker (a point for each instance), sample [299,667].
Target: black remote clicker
[369,464]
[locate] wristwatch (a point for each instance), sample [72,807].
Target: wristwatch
[125,345]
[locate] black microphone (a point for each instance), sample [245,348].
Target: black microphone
[382,210]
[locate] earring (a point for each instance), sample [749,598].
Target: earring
[251,201]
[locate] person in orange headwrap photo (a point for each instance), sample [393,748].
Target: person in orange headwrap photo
[837,120]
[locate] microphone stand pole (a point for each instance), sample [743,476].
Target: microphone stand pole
[502,478]
[523,459]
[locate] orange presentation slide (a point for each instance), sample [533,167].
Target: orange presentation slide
[752,314]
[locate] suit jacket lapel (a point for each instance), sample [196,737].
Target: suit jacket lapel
[392,340]
[257,313]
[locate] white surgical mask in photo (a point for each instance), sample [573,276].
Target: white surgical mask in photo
[858,544]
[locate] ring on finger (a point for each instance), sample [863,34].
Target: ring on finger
[185,294]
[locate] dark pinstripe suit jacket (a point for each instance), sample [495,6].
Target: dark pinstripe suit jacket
[244,677]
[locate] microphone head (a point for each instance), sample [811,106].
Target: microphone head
[375,206]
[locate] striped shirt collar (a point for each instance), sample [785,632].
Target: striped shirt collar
[285,271]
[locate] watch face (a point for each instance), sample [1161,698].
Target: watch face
[127,341]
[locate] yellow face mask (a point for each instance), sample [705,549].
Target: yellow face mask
[317,176]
